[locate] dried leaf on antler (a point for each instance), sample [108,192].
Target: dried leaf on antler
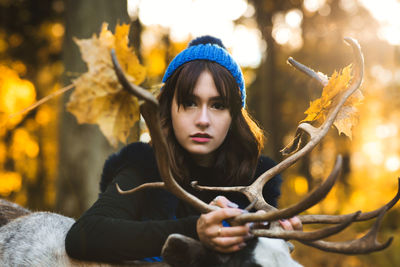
[320,108]
[348,115]
[98,96]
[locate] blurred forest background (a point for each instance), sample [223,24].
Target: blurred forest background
[49,162]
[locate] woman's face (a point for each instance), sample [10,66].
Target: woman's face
[201,123]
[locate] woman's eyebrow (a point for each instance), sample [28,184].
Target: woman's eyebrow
[217,98]
[213,98]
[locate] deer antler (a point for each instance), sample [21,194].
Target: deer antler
[366,244]
[253,192]
[278,232]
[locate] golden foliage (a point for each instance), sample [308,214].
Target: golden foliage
[9,182]
[15,94]
[348,115]
[23,144]
[27,167]
[300,185]
[98,96]
[156,61]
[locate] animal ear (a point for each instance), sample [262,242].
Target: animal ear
[180,250]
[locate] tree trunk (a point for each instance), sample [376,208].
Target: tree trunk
[83,148]
[266,96]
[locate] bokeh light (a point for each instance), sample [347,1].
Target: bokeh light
[392,163]
[313,5]
[386,12]
[287,29]
[184,20]
[15,93]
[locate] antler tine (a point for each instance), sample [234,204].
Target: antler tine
[140,187]
[330,219]
[150,112]
[134,89]
[320,77]
[278,232]
[308,71]
[366,244]
[310,200]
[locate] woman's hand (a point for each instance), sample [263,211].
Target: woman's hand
[223,239]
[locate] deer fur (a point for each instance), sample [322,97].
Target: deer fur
[37,239]
[30,239]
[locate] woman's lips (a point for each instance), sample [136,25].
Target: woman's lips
[200,138]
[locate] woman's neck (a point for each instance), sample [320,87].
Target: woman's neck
[204,160]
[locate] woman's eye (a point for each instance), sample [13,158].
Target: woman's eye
[219,106]
[188,104]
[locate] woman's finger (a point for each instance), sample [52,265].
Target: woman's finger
[286,225]
[223,202]
[296,223]
[233,231]
[218,216]
[223,239]
[293,223]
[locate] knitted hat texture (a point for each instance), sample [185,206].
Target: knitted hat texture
[212,49]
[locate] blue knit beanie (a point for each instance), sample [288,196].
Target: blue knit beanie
[212,49]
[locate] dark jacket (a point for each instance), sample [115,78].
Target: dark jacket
[126,227]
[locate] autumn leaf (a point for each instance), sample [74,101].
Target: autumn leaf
[319,109]
[348,114]
[98,97]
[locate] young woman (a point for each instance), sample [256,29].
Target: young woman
[211,139]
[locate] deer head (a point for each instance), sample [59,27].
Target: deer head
[253,192]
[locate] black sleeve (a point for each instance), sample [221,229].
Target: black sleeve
[127,227]
[272,189]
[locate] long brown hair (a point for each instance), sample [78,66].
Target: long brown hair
[238,155]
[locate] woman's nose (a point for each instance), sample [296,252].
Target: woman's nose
[203,118]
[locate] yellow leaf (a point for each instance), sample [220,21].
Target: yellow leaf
[346,118]
[337,83]
[119,116]
[314,112]
[348,114]
[126,57]
[156,61]
[98,96]
[355,99]
[320,107]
